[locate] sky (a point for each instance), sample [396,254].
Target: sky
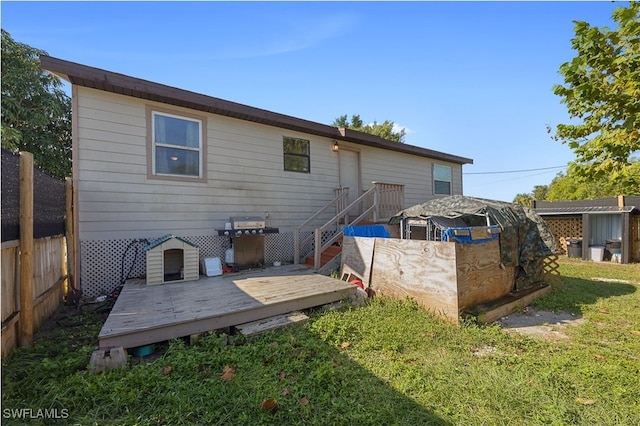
[473,79]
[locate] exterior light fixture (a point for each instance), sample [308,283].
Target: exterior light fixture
[174,158]
[335,147]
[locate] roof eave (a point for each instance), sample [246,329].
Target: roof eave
[108,81]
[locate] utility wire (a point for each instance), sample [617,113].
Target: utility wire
[479,184]
[513,171]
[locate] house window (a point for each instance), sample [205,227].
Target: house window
[441,180]
[297,156]
[177,145]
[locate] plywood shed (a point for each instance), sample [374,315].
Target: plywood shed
[444,277]
[172,259]
[473,253]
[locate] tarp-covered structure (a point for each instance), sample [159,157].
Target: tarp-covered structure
[525,238]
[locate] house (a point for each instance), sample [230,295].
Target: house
[151,160]
[602,229]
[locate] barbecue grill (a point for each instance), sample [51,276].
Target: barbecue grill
[246,237]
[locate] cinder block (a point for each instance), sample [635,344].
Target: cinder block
[107,359]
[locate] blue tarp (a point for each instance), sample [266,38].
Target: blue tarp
[450,236]
[379,231]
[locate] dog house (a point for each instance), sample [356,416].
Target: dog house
[172,259]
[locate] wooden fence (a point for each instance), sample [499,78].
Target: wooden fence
[34,272]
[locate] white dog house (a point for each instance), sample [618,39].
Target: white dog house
[172,259]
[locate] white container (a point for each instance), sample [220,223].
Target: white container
[597,253]
[229,256]
[212,266]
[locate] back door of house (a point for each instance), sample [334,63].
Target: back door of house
[350,175]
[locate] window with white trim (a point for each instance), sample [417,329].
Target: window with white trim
[177,145]
[441,179]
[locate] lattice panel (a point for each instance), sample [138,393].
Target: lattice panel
[551,270]
[306,249]
[105,263]
[565,229]
[278,247]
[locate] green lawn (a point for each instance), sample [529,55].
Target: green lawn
[389,362]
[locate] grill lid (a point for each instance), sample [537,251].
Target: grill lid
[247,222]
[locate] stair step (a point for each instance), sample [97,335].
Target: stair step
[325,256]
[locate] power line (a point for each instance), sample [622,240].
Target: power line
[514,171]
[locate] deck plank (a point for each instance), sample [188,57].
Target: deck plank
[149,314]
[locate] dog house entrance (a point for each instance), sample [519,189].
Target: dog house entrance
[173,264]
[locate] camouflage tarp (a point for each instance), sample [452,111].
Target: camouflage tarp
[525,240]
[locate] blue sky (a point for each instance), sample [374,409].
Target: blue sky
[468,78]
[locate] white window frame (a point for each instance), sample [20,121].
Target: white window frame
[152,113]
[450,169]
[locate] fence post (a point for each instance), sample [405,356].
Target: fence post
[376,202]
[26,249]
[296,246]
[317,250]
[71,240]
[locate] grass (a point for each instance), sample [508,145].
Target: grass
[389,362]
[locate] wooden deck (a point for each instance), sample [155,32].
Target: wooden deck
[149,314]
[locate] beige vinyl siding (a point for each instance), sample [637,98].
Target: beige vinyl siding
[245,174]
[412,171]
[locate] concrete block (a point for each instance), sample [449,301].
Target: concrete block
[107,359]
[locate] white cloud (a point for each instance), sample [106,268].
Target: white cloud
[398,127]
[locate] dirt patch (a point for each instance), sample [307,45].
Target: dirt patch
[543,324]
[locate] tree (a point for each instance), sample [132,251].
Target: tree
[567,187]
[385,130]
[523,199]
[36,112]
[602,93]
[540,192]
[526,199]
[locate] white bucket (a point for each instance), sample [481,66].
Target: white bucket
[597,253]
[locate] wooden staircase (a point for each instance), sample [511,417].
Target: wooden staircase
[326,256]
[378,204]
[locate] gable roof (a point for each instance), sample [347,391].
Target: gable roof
[164,239]
[108,81]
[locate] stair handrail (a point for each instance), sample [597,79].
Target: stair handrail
[377,190]
[296,232]
[318,246]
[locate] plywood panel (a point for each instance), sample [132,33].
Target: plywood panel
[480,277]
[357,256]
[422,270]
